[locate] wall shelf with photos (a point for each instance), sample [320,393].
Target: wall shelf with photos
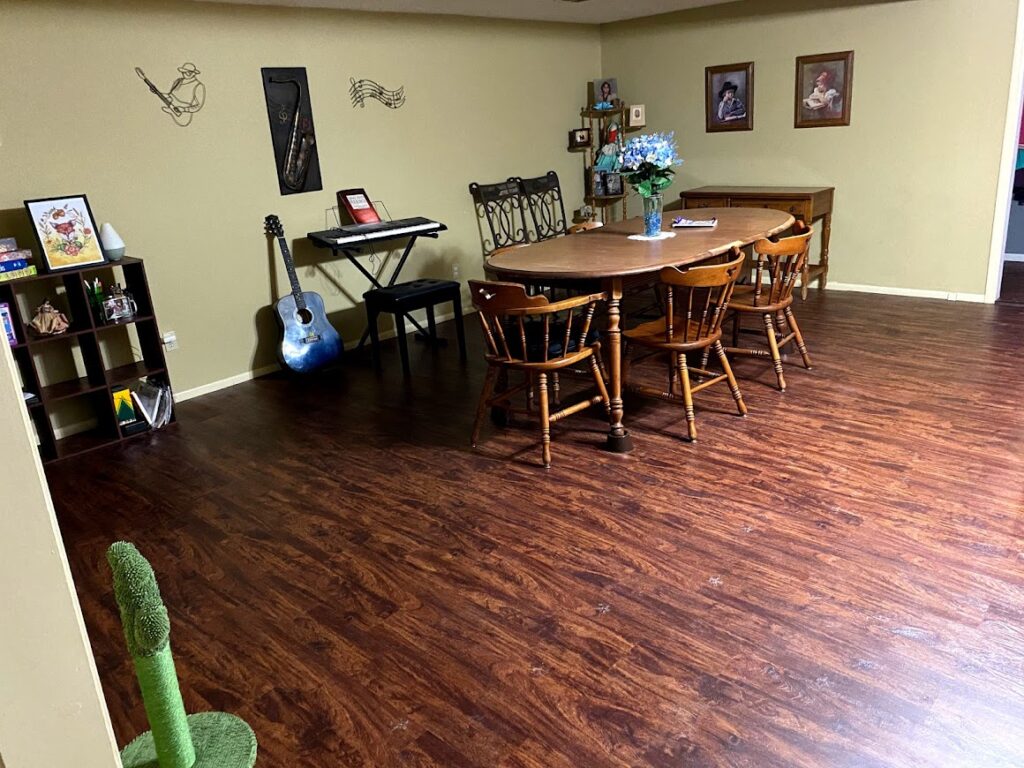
[605,190]
[72,376]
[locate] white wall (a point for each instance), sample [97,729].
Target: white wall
[52,712]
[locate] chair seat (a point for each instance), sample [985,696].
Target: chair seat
[413,292]
[743,300]
[652,334]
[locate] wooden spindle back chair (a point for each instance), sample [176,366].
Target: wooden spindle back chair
[781,261]
[557,336]
[542,196]
[696,302]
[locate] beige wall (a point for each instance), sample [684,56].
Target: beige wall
[916,171]
[486,99]
[51,707]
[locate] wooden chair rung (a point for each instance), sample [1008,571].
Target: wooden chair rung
[582,405]
[695,388]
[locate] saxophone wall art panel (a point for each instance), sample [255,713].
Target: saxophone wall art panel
[291,129]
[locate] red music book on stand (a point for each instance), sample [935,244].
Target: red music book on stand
[358,206]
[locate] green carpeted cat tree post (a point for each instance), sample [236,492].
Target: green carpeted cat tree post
[204,740]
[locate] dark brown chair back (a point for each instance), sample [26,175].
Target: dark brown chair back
[543,198]
[501,206]
[696,299]
[783,261]
[559,330]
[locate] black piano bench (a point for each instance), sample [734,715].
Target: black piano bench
[403,298]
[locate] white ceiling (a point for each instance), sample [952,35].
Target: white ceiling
[586,12]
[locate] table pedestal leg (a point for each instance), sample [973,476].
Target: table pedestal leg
[619,440]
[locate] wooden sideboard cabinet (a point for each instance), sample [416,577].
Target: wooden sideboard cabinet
[805,203]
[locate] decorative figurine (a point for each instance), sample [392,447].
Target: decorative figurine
[609,158]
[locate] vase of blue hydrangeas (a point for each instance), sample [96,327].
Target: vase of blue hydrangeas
[647,165]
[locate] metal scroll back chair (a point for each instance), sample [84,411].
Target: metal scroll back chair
[696,301]
[559,337]
[502,209]
[783,262]
[543,198]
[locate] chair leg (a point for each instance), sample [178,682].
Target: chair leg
[557,387]
[545,423]
[733,386]
[403,342]
[602,389]
[791,319]
[684,377]
[371,319]
[481,409]
[431,324]
[460,331]
[773,345]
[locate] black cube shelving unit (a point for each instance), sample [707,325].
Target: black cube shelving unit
[87,332]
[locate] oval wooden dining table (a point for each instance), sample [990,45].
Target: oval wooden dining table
[606,254]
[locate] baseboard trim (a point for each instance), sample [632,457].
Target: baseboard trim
[241,378]
[917,293]
[230,381]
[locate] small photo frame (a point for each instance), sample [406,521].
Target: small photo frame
[580,138]
[637,116]
[612,183]
[824,85]
[729,97]
[66,232]
[605,91]
[595,182]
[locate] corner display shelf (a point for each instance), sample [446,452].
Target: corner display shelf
[88,343]
[597,121]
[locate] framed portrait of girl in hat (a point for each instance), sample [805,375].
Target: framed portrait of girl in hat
[729,97]
[823,86]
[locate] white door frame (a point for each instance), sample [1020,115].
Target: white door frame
[1007,164]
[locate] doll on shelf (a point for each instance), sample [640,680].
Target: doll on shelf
[609,156]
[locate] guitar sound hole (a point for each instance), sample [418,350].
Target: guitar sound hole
[304,315]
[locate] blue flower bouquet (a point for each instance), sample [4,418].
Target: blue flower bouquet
[647,165]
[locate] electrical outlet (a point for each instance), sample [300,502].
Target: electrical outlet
[455,271]
[171,341]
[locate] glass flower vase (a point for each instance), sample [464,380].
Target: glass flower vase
[652,215]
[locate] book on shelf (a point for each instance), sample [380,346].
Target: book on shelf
[12,266]
[28,271]
[7,322]
[123,406]
[15,255]
[8,244]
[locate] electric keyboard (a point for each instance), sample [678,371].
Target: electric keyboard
[355,234]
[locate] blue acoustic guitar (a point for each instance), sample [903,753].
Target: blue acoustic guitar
[308,340]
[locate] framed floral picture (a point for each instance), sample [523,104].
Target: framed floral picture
[824,84]
[66,232]
[729,97]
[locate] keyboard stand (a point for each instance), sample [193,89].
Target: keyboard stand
[352,250]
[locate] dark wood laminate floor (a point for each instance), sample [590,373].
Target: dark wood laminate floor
[1012,288]
[837,580]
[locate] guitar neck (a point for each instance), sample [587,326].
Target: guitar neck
[289,265]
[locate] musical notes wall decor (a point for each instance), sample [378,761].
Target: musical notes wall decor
[364,89]
[291,129]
